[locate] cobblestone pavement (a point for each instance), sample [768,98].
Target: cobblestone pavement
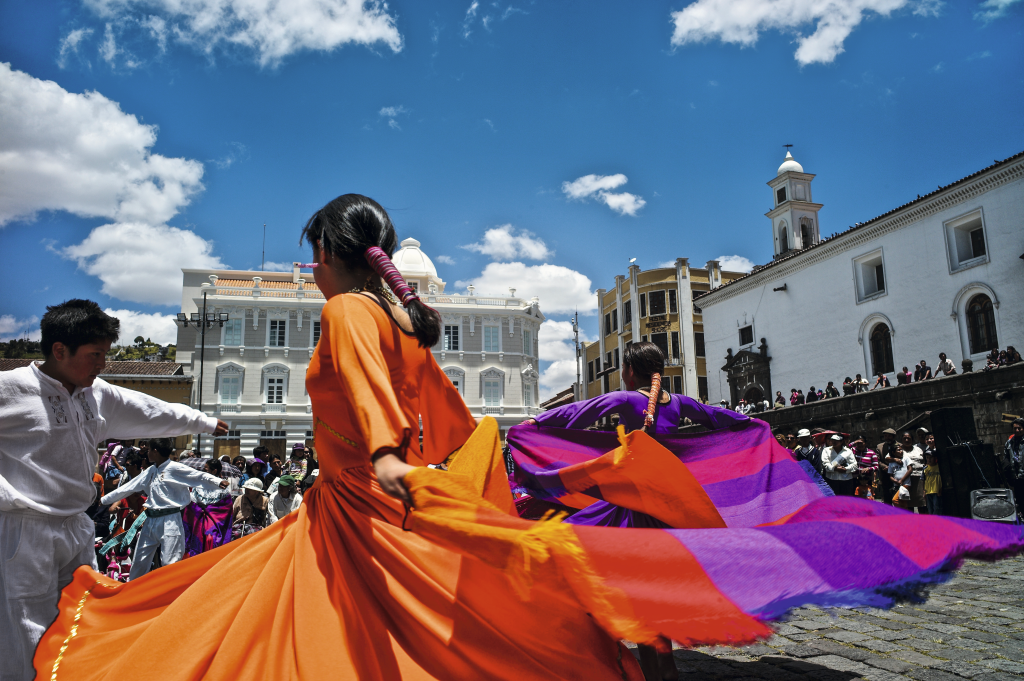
[971,627]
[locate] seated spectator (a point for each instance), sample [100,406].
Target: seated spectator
[861,383]
[812,396]
[240,463]
[945,366]
[831,390]
[882,381]
[284,500]
[849,387]
[1012,356]
[780,401]
[274,473]
[255,469]
[903,377]
[922,372]
[204,497]
[250,509]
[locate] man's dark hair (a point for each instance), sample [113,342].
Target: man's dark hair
[215,466]
[143,442]
[164,446]
[276,456]
[76,323]
[134,459]
[644,359]
[1017,422]
[261,449]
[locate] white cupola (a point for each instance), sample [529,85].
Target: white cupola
[416,267]
[794,216]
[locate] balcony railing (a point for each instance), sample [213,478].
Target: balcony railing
[230,408]
[257,291]
[500,411]
[275,408]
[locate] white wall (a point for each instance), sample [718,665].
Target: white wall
[814,328]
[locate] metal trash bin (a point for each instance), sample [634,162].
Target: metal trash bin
[994,504]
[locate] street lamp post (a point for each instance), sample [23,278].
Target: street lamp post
[202,322]
[576,340]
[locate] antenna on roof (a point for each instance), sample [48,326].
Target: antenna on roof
[263,258]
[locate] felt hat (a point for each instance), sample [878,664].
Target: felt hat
[888,431]
[803,432]
[253,483]
[286,481]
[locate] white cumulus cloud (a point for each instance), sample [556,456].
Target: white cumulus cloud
[503,243]
[271,29]
[142,263]
[735,263]
[391,114]
[556,346]
[277,267]
[80,153]
[445,259]
[599,187]
[994,9]
[70,43]
[159,328]
[12,328]
[560,289]
[742,21]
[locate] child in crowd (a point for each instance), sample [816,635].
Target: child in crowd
[932,483]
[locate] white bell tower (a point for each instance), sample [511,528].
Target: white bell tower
[795,217]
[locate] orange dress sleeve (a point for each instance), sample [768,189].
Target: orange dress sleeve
[447,423]
[349,325]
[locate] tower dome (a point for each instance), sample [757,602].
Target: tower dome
[416,267]
[790,164]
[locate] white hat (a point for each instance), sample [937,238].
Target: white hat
[803,432]
[253,483]
[837,437]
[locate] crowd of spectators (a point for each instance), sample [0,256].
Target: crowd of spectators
[859,384]
[261,490]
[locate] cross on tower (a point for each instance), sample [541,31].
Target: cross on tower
[788,146]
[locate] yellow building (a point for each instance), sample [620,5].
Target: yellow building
[657,306]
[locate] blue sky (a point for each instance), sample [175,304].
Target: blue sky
[473,124]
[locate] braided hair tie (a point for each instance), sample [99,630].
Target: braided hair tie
[381,263]
[652,401]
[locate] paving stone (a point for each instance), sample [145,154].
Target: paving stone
[1010,654]
[840,664]
[845,636]
[879,646]
[965,669]
[812,625]
[778,641]
[882,675]
[915,657]
[890,635]
[1005,666]
[932,675]
[757,650]
[833,648]
[944,628]
[785,628]
[996,676]
[856,625]
[889,664]
[955,655]
[982,636]
[804,637]
[801,651]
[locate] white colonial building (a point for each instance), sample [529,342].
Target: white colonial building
[253,368]
[942,273]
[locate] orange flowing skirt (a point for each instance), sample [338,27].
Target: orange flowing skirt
[339,590]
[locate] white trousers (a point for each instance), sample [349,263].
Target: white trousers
[166,532]
[38,555]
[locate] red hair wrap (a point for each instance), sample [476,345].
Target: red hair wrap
[381,263]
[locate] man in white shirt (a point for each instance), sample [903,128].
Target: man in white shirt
[945,366]
[52,416]
[285,499]
[166,486]
[839,465]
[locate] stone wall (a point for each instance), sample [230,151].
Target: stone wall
[989,393]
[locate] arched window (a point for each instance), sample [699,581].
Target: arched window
[783,238]
[881,350]
[805,233]
[981,324]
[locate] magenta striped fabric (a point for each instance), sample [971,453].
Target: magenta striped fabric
[382,265]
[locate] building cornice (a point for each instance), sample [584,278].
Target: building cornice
[856,237]
[793,204]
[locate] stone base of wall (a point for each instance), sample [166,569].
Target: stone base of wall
[989,393]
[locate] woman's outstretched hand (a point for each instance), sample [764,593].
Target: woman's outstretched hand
[391,471]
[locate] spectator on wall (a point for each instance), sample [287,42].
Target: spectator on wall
[861,383]
[882,381]
[903,377]
[1012,356]
[812,396]
[831,390]
[800,399]
[922,372]
[849,387]
[945,366]
[780,401]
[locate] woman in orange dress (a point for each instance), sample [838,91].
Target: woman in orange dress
[339,589]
